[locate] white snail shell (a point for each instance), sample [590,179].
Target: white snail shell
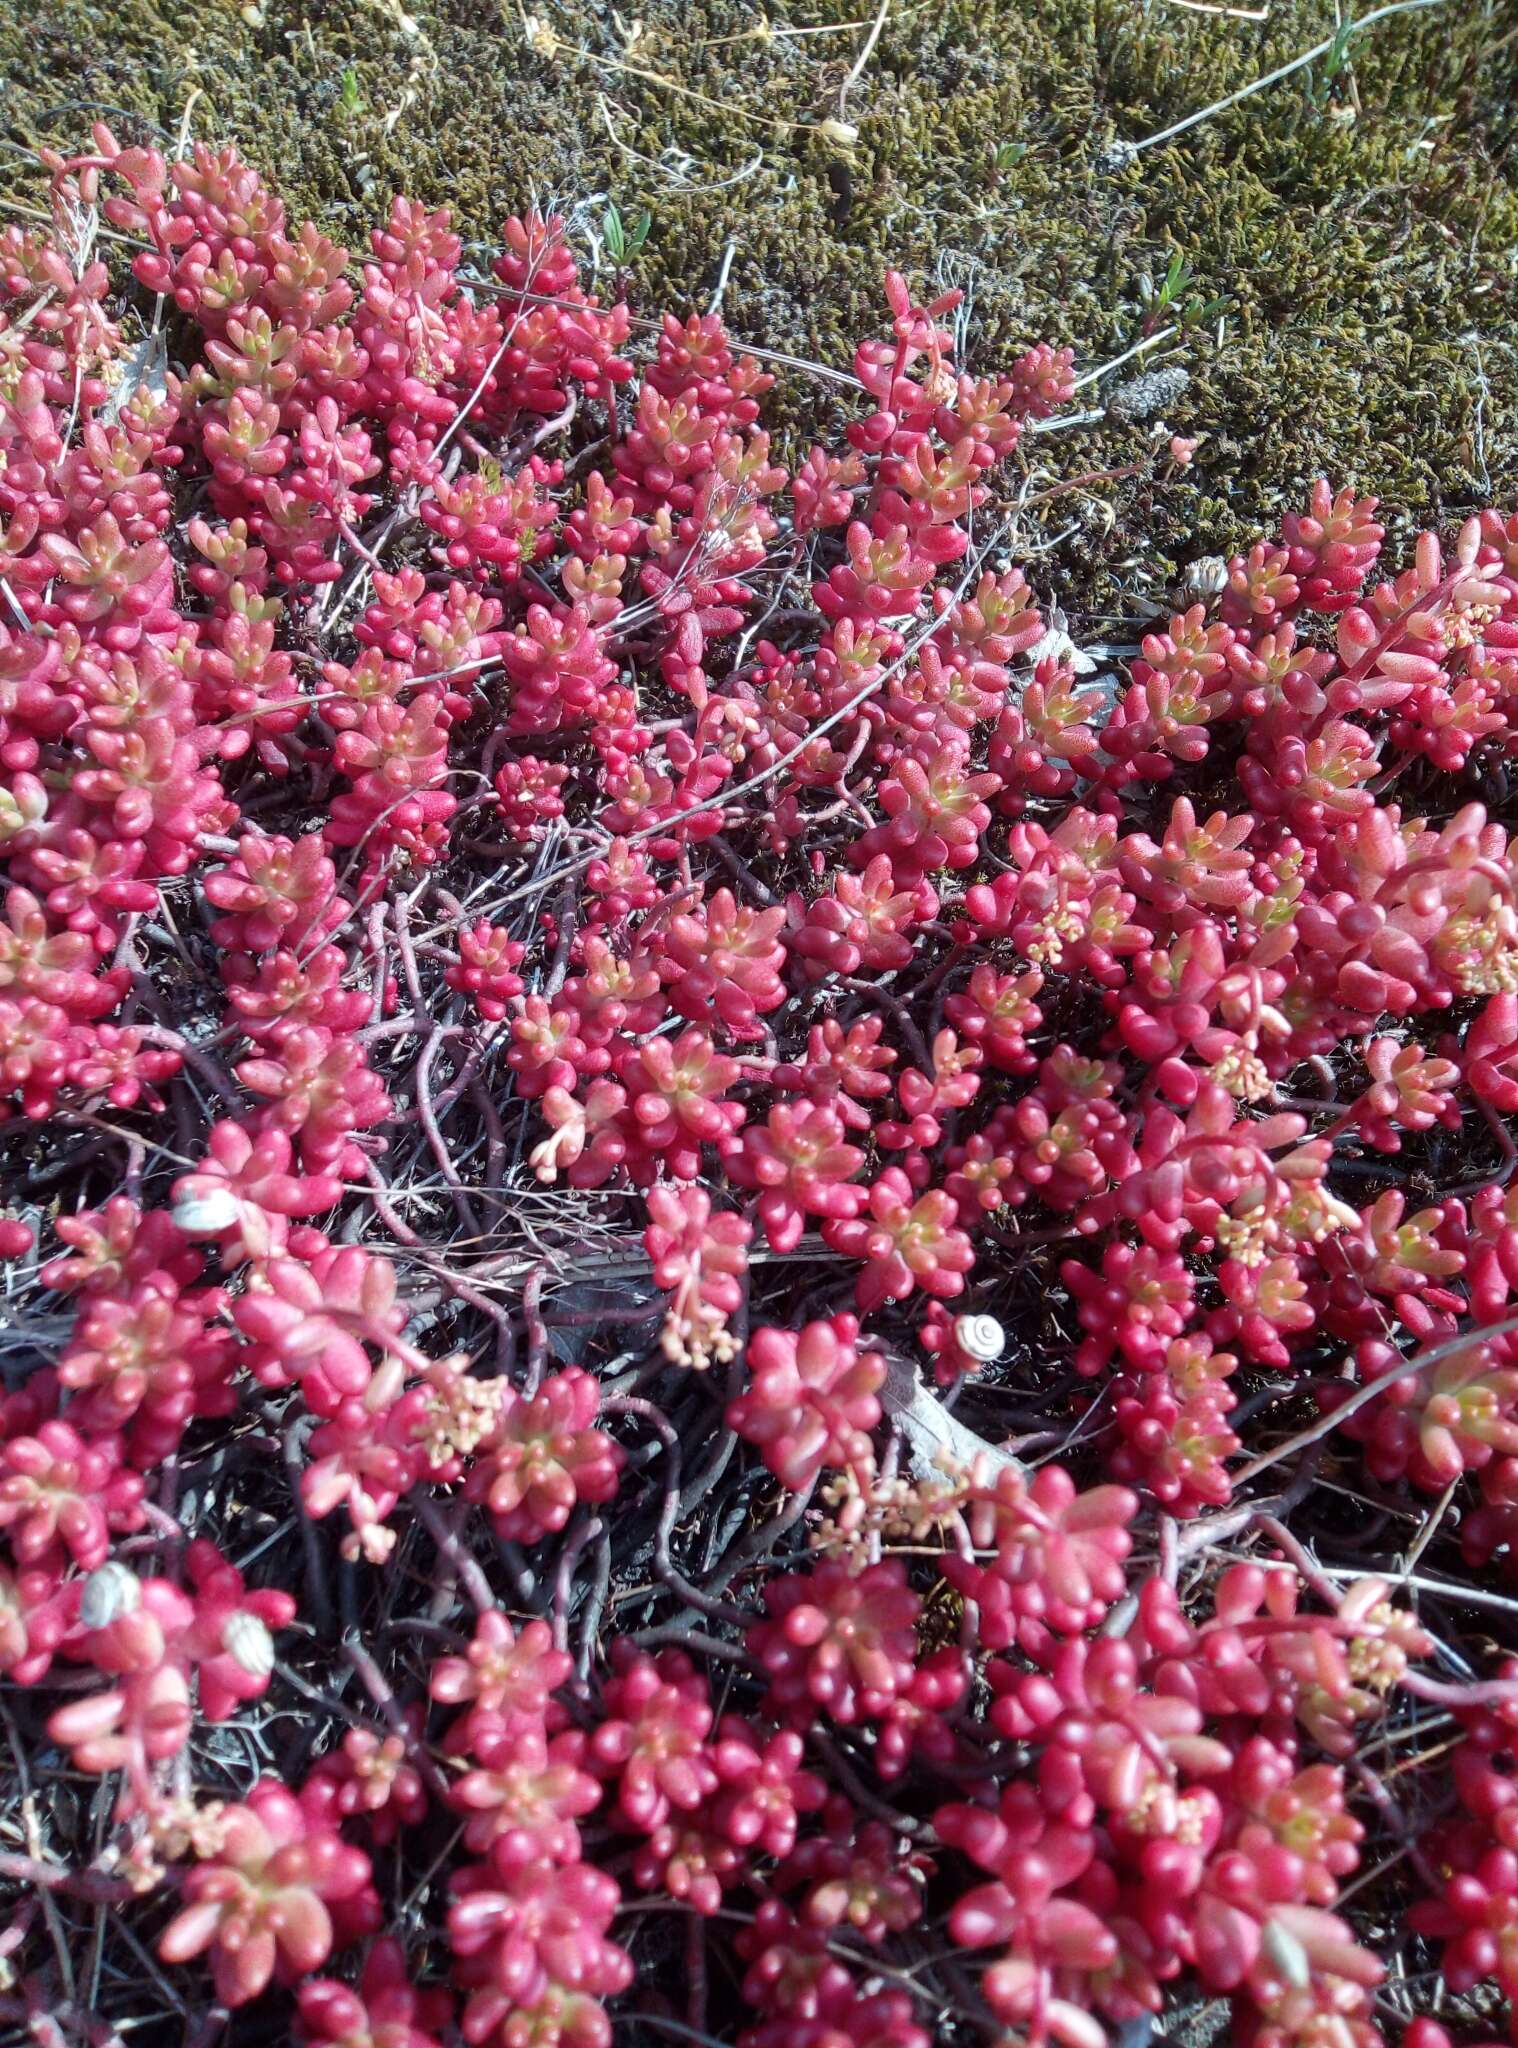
[981,1337]
[207,1213]
[109,1592]
[248,1643]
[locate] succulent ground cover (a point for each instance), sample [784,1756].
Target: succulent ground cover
[741,1305]
[1357,220]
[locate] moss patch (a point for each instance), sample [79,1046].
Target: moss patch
[1361,226]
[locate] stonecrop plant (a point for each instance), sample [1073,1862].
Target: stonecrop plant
[737,1307]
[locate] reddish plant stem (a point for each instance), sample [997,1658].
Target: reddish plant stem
[563,1580]
[444,1532]
[92,1885]
[664,1566]
[537,1334]
[435,1140]
[378,1687]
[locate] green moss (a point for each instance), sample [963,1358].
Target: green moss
[1362,228]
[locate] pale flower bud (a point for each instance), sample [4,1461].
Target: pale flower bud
[1287,1955]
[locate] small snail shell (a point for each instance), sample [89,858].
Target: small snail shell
[980,1337]
[109,1592]
[207,1213]
[248,1643]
